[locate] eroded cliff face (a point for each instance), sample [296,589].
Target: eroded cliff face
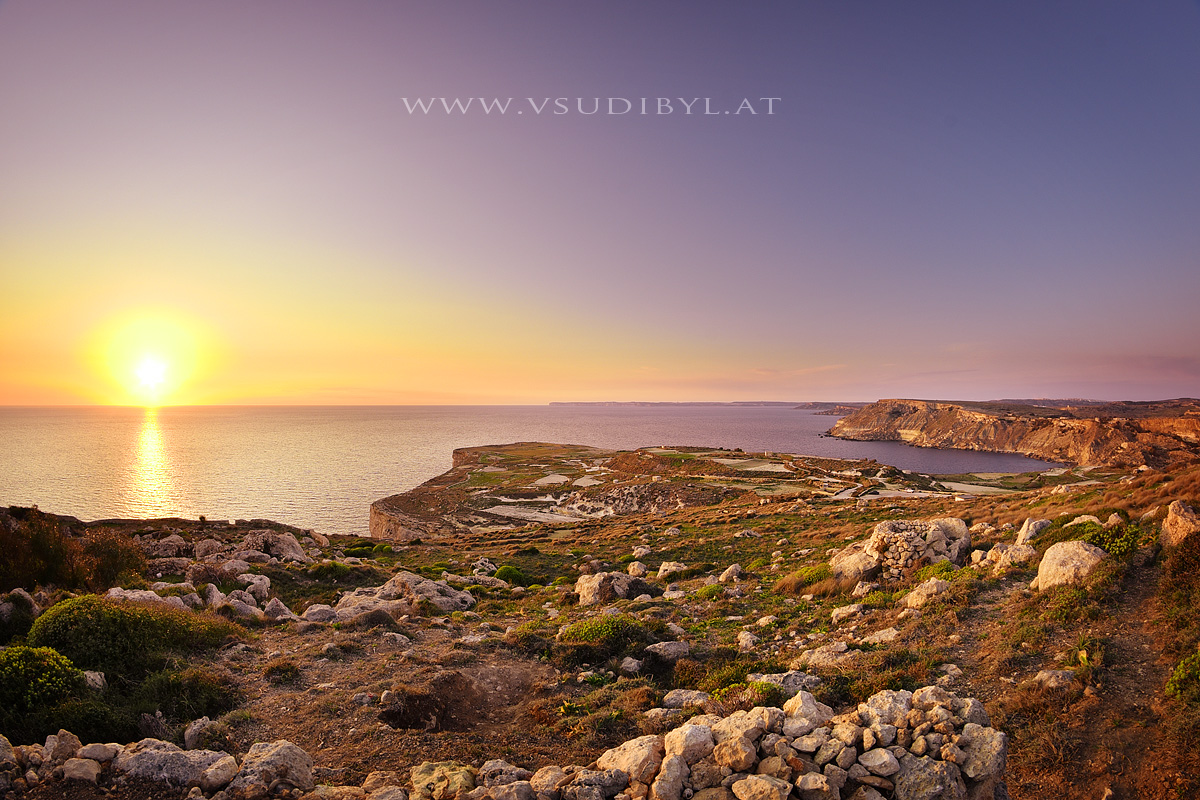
[1054,435]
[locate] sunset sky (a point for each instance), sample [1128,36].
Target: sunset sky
[230,201]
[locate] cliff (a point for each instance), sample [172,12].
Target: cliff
[1159,435]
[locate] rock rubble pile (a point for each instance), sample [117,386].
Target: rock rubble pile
[923,745]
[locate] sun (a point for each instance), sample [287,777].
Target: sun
[149,357]
[151,373]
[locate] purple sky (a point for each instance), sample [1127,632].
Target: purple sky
[961,200]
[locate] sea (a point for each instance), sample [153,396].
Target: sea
[321,467]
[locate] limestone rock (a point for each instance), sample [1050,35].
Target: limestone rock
[516,790]
[882,637]
[81,769]
[986,749]
[206,547]
[683,698]
[838,615]
[547,780]
[414,588]
[1054,679]
[923,778]
[96,752]
[157,760]
[1030,530]
[498,772]
[669,568]
[219,775]
[737,753]
[761,787]
[803,704]
[276,610]
[731,574]
[604,587]
[272,763]
[880,762]
[144,596]
[888,707]
[692,742]
[855,563]
[668,785]
[194,733]
[638,758]
[319,612]
[669,651]
[441,780]
[829,656]
[924,592]
[66,746]
[280,544]
[590,784]
[381,779]
[748,725]
[1066,563]
[790,682]
[1181,522]
[746,641]
[1005,556]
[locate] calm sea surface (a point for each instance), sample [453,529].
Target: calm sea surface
[321,467]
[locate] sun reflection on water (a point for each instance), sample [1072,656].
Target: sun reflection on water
[152,487]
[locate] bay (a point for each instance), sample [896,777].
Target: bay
[321,466]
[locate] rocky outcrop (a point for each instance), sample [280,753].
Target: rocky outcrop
[604,587]
[1181,522]
[1066,563]
[405,593]
[1121,434]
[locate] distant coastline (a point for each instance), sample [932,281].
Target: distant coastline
[736,403]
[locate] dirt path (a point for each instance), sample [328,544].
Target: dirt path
[1115,740]
[1123,727]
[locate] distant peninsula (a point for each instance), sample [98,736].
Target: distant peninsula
[737,403]
[1158,434]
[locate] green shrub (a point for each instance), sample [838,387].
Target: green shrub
[1119,541]
[1185,680]
[687,673]
[36,677]
[879,599]
[941,569]
[193,693]
[39,549]
[329,571]
[735,672]
[525,638]
[610,631]
[744,696]
[805,576]
[124,640]
[710,592]
[593,640]
[513,575]
[90,718]
[113,555]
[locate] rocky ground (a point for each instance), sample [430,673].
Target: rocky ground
[552,604]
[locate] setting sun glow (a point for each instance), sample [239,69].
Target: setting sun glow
[150,357]
[151,372]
